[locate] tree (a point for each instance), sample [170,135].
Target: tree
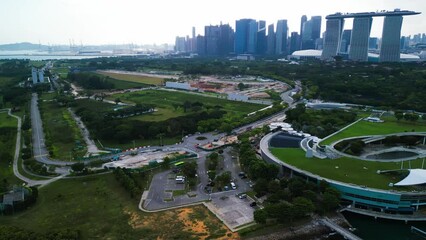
[331,199]
[399,115]
[117,100]
[274,186]
[77,167]
[302,206]
[189,169]
[260,215]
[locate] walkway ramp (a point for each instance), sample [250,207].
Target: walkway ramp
[342,231]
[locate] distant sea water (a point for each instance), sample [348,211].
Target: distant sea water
[39,56]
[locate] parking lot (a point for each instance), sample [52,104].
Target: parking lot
[231,209]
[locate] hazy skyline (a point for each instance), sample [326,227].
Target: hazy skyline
[160,21]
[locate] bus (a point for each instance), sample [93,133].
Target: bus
[179,163]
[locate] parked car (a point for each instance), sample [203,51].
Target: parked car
[241,195]
[253,204]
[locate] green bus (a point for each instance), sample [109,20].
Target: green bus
[179,163]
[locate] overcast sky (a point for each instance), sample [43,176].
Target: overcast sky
[160,21]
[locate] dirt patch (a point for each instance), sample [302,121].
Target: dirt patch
[196,222]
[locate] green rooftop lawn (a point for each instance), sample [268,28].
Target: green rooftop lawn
[391,125]
[345,169]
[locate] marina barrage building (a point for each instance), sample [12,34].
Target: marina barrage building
[358,51]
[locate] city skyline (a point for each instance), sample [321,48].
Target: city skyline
[130,21]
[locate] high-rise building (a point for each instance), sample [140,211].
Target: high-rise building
[34,75]
[211,35]
[252,37]
[281,37]
[193,41]
[302,22]
[316,27]
[373,43]
[346,41]
[261,38]
[307,42]
[41,75]
[180,44]
[389,48]
[271,40]
[359,38]
[241,35]
[201,45]
[226,40]
[294,42]
[332,37]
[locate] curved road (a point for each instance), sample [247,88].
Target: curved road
[30,182]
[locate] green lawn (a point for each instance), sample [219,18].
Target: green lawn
[391,125]
[134,78]
[164,101]
[61,131]
[7,148]
[101,209]
[344,169]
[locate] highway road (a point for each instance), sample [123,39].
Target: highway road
[39,147]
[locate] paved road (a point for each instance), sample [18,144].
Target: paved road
[39,147]
[30,182]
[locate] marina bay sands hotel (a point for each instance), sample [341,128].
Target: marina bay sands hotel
[358,51]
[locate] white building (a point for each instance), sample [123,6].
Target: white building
[37,75]
[34,75]
[178,85]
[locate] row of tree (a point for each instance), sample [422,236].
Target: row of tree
[15,233]
[125,178]
[290,199]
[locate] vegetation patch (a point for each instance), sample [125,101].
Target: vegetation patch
[63,137]
[134,78]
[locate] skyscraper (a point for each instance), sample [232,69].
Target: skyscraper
[271,40]
[307,41]
[372,43]
[389,48]
[332,38]
[316,27]
[180,44]
[359,38]
[302,22]
[201,45]
[252,37]
[211,35]
[294,41]
[281,37]
[261,38]
[346,41]
[226,40]
[241,35]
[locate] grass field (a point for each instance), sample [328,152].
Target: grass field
[134,78]
[61,130]
[348,170]
[100,208]
[164,101]
[7,148]
[391,125]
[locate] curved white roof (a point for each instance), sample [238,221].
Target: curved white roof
[308,53]
[317,53]
[415,177]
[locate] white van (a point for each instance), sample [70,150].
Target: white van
[233,186]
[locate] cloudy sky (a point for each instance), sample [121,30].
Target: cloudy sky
[159,21]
